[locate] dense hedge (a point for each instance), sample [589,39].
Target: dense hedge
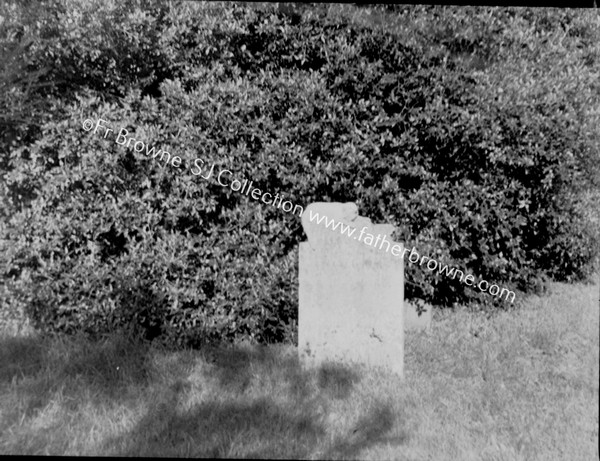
[453,126]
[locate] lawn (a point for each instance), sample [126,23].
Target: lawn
[519,385]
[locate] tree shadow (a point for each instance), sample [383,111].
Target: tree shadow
[262,402]
[336,379]
[241,424]
[255,429]
[36,367]
[372,428]
[236,365]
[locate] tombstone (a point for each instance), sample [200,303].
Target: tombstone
[351,291]
[415,320]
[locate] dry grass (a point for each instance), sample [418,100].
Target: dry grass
[516,386]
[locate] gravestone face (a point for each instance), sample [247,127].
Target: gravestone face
[351,292]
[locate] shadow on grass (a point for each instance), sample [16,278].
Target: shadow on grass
[235,368]
[267,407]
[38,367]
[255,429]
[253,402]
[372,428]
[337,380]
[241,424]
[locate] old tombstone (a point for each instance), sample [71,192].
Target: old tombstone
[351,292]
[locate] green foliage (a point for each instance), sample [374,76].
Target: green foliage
[461,136]
[21,107]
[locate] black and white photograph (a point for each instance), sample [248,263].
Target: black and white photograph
[306,231]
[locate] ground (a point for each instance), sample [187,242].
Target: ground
[519,385]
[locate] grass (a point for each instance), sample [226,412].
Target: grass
[517,385]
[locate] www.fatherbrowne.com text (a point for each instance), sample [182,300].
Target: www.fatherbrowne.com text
[413,257]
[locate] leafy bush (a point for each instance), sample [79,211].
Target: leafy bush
[460,136]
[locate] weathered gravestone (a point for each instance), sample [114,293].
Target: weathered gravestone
[351,291]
